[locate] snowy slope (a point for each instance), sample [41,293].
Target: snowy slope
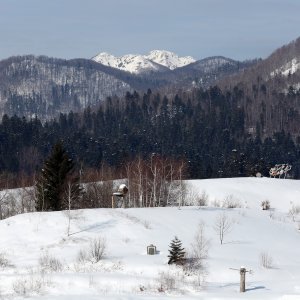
[127,272]
[289,68]
[169,59]
[156,61]
[129,63]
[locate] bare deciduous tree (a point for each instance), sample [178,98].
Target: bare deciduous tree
[181,171]
[97,194]
[266,260]
[201,243]
[222,226]
[3,202]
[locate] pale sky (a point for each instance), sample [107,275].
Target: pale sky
[238,29]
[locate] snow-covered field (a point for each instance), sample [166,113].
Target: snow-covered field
[39,260]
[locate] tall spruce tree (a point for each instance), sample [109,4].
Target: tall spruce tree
[54,179]
[176,251]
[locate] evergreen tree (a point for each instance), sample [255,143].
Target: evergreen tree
[176,251]
[54,179]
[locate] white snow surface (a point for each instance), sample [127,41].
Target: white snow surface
[289,68]
[156,60]
[169,59]
[127,272]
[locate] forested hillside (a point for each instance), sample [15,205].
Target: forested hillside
[243,125]
[269,92]
[44,87]
[206,129]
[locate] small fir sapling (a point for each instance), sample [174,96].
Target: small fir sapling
[176,251]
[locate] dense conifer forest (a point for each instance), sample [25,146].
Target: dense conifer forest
[208,129]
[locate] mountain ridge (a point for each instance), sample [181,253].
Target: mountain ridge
[155,61]
[43,86]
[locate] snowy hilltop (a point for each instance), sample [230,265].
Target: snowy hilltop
[289,68]
[155,61]
[104,256]
[169,59]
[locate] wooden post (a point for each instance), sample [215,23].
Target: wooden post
[243,280]
[112,201]
[243,272]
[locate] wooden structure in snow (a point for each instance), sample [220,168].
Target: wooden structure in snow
[151,249]
[242,270]
[119,195]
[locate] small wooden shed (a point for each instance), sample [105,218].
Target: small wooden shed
[151,250]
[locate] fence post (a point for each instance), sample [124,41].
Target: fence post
[243,280]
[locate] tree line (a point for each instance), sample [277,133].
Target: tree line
[154,182]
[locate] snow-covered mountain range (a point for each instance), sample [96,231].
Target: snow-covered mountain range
[155,61]
[45,86]
[39,85]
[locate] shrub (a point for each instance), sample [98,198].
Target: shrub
[192,265]
[97,249]
[231,202]
[30,284]
[167,281]
[294,211]
[50,263]
[202,199]
[216,203]
[265,205]
[82,256]
[266,260]
[94,253]
[4,262]
[25,286]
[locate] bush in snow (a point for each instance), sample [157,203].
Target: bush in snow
[192,197]
[294,211]
[14,202]
[50,263]
[82,256]
[167,281]
[26,286]
[202,199]
[266,260]
[216,203]
[30,284]
[231,202]
[265,205]
[4,262]
[94,253]
[97,249]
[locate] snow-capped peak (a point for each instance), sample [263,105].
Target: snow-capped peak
[129,63]
[156,60]
[169,59]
